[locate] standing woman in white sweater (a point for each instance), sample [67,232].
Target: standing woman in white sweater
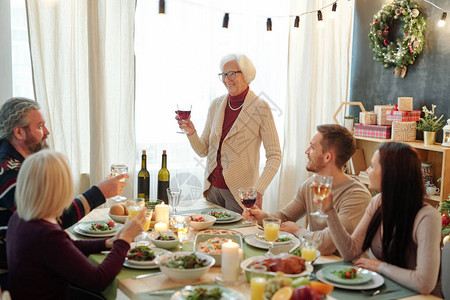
[236,125]
[403,232]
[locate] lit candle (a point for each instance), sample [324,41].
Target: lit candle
[160,226]
[230,261]
[162,213]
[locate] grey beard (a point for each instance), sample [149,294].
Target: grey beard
[37,147]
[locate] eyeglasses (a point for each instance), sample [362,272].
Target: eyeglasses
[231,75]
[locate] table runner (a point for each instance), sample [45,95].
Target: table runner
[339,293]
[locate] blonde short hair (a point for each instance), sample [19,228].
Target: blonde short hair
[44,186]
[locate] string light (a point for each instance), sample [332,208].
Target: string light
[441,22]
[333,10]
[297,22]
[162,7]
[320,19]
[226,18]
[269,24]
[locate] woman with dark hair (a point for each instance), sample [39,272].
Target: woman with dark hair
[402,231]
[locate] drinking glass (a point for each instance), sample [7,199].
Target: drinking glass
[248,199]
[180,226]
[183,112]
[271,229]
[321,188]
[142,240]
[257,282]
[309,248]
[173,195]
[134,206]
[116,170]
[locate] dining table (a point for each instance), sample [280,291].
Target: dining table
[157,286]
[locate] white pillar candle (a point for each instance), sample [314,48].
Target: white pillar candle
[160,226]
[162,213]
[230,261]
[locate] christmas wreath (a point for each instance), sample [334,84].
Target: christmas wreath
[402,52]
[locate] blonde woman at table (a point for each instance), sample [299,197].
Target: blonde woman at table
[402,231]
[42,259]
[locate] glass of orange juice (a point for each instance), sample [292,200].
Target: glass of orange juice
[258,282]
[134,206]
[271,229]
[309,248]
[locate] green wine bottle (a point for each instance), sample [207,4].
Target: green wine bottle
[144,179]
[163,179]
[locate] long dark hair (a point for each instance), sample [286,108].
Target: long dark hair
[402,191]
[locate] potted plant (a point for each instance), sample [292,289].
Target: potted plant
[430,124]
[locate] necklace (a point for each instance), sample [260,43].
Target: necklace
[229,105]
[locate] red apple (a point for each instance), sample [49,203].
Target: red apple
[306,293]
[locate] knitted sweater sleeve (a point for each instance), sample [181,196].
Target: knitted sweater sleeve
[271,144]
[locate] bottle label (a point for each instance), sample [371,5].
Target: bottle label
[162,190]
[144,188]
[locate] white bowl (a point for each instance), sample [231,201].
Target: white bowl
[118,219]
[165,244]
[209,221]
[184,275]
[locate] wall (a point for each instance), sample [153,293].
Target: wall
[6,89]
[427,80]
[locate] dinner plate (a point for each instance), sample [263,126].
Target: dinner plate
[78,230]
[376,281]
[227,293]
[233,218]
[362,277]
[132,266]
[253,241]
[249,261]
[157,251]
[86,227]
[260,237]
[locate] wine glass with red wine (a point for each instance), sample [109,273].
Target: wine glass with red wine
[321,187]
[248,199]
[183,112]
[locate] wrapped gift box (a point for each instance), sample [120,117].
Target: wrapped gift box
[403,116]
[375,131]
[405,103]
[368,118]
[381,110]
[404,131]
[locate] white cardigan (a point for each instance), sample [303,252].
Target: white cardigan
[241,146]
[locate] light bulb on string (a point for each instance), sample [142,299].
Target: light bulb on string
[333,10]
[320,19]
[297,22]
[441,22]
[269,24]
[226,18]
[162,7]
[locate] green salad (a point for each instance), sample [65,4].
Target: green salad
[162,237]
[297,252]
[205,294]
[349,273]
[141,253]
[190,261]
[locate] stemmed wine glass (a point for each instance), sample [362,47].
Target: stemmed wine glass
[173,195]
[248,199]
[180,226]
[142,240]
[183,112]
[321,187]
[271,229]
[116,170]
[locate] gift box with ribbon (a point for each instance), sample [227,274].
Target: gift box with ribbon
[403,116]
[381,110]
[404,131]
[368,118]
[405,103]
[374,131]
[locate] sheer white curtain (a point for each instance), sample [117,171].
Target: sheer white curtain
[83,71]
[319,66]
[177,60]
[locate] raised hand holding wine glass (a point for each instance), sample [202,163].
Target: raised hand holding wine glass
[321,187]
[183,113]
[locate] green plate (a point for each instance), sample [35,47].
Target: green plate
[227,294]
[362,276]
[209,211]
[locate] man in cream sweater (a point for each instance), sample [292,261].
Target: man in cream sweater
[330,148]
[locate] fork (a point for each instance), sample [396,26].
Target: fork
[378,291]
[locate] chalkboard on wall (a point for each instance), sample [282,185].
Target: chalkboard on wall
[427,80]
